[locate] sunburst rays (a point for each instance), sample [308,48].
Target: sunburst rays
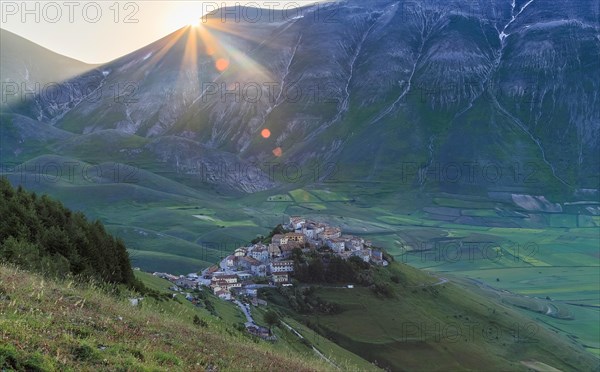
[212,52]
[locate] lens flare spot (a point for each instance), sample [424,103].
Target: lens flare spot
[277,151]
[265,133]
[222,64]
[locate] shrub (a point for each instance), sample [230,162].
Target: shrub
[384,290]
[200,322]
[84,353]
[12,359]
[166,358]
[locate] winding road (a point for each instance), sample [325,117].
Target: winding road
[441,281]
[246,310]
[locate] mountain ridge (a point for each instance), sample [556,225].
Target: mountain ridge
[461,67]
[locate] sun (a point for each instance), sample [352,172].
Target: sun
[194,21]
[185,13]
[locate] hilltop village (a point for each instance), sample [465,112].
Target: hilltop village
[269,262]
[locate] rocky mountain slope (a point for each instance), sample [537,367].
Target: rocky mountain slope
[479,96]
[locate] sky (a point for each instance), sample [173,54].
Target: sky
[102,30]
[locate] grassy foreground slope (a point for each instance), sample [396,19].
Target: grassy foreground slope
[59,325]
[230,314]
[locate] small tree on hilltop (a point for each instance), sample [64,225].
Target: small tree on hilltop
[272,319]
